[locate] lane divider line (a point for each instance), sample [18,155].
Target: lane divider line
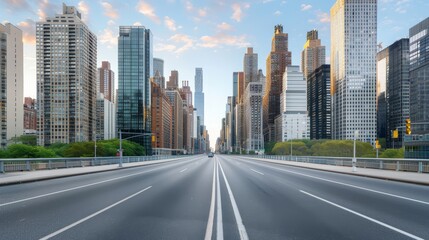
[92,215]
[348,185]
[241,228]
[209,228]
[364,216]
[256,171]
[219,225]
[183,170]
[86,185]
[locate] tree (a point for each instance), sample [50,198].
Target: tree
[269,147]
[393,153]
[25,139]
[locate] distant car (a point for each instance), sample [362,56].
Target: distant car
[210,154]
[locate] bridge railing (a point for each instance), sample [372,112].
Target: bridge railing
[395,164]
[31,164]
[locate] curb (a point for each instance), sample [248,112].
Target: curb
[153,162]
[347,173]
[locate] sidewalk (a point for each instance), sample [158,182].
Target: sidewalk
[31,176]
[408,177]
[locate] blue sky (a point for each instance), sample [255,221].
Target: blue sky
[211,34]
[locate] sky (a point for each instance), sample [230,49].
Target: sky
[211,34]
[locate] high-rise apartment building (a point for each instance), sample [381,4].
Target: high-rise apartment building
[11,83]
[417,144]
[30,116]
[277,60]
[313,55]
[161,118]
[393,91]
[134,90]
[66,52]
[250,67]
[295,120]
[176,103]
[106,107]
[199,94]
[106,81]
[319,102]
[353,69]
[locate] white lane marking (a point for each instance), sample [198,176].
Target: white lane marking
[239,221]
[79,187]
[219,225]
[364,216]
[183,170]
[209,229]
[256,171]
[349,185]
[92,215]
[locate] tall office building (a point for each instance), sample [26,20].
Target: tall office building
[277,60]
[250,66]
[417,144]
[176,103]
[158,66]
[11,83]
[173,81]
[106,81]
[199,94]
[134,90]
[66,52]
[106,108]
[353,69]
[161,118]
[319,102]
[295,120]
[313,55]
[393,91]
[188,118]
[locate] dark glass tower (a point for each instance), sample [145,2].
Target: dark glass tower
[135,65]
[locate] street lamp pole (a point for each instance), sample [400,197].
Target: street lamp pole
[95,145]
[120,148]
[354,151]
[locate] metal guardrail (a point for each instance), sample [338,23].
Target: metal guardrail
[31,164]
[395,164]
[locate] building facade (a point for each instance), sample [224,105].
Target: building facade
[161,118]
[199,94]
[158,66]
[173,80]
[313,55]
[250,67]
[134,90]
[106,81]
[11,83]
[276,63]
[353,69]
[176,103]
[66,53]
[295,119]
[319,102]
[30,116]
[393,91]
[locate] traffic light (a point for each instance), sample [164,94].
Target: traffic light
[408,126]
[377,144]
[395,133]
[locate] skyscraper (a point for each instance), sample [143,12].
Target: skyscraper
[158,66]
[11,83]
[199,94]
[313,55]
[393,91]
[106,81]
[353,69]
[319,102]
[277,60]
[66,52]
[106,109]
[161,117]
[250,66]
[173,82]
[134,89]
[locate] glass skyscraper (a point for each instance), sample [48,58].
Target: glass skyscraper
[135,66]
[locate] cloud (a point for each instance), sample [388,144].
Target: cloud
[323,17]
[305,7]
[170,23]
[224,27]
[28,28]
[277,13]
[147,10]
[17,5]
[109,10]
[137,24]
[202,12]
[83,7]
[108,37]
[189,6]
[47,9]
[187,42]
[266,1]
[161,47]
[237,12]
[221,39]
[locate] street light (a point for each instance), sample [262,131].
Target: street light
[354,151]
[120,142]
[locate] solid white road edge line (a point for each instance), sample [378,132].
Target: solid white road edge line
[364,216]
[86,185]
[256,171]
[239,221]
[92,215]
[219,224]
[346,184]
[209,229]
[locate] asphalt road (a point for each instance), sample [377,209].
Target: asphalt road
[214,198]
